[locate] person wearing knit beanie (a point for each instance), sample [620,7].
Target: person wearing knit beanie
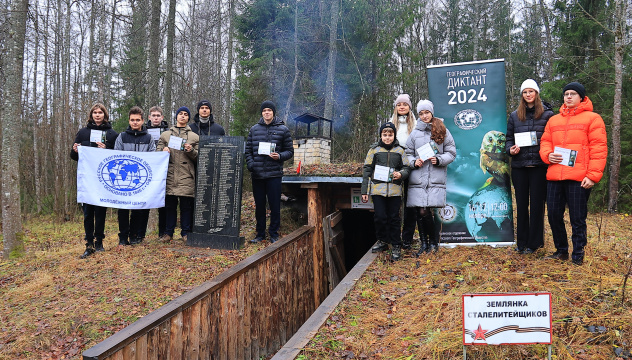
[268,105]
[385,168]
[183,108]
[579,88]
[203,123]
[405,119]
[529,84]
[180,184]
[528,171]
[268,145]
[580,133]
[425,105]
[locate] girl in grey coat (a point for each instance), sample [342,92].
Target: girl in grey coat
[427,181]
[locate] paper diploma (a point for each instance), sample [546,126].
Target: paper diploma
[427,151]
[97,136]
[568,156]
[176,142]
[155,133]
[266,148]
[383,173]
[528,138]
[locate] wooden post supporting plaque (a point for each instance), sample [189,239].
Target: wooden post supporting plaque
[217,214]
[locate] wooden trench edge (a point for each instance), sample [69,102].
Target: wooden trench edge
[129,334]
[308,330]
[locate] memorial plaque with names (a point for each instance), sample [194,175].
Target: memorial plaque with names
[217,214]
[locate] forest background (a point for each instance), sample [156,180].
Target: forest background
[345,60]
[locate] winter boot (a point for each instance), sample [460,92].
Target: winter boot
[98,245]
[429,229]
[135,240]
[123,241]
[89,249]
[379,246]
[396,253]
[424,247]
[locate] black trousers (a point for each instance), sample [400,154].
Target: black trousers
[94,221]
[410,219]
[269,189]
[186,214]
[560,194]
[132,226]
[530,187]
[387,220]
[162,221]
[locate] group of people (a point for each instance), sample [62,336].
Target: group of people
[396,168]
[560,170]
[266,168]
[564,160]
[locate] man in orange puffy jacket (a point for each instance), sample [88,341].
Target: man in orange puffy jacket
[575,146]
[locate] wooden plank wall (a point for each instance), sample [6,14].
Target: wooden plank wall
[247,312]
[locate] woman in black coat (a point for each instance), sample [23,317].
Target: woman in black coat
[528,172]
[94,216]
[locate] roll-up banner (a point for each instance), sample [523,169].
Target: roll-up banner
[470,97]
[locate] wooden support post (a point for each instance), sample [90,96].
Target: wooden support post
[315,215]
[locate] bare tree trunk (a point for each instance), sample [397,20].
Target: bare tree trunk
[91,71]
[153,75]
[296,72]
[12,115]
[36,119]
[619,49]
[331,65]
[107,98]
[228,100]
[549,42]
[171,32]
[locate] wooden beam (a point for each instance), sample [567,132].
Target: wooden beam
[310,328]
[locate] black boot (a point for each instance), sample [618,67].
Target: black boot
[98,245]
[408,228]
[396,253]
[429,229]
[123,241]
[424,247]
[135,240]
[379,246]
[89,249]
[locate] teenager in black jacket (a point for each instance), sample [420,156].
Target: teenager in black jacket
[528,171]
[94,216]
[266,166]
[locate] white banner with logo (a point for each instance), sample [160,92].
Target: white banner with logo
[122,179]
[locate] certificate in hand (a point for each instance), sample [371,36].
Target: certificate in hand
[176,143]
[266,148]
[568,156]
[427,151]
[155,133]
[383,173]
[97,136]
[529,138]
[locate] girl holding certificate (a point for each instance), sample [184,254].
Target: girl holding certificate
[430,148]
[528,172]
[97,133]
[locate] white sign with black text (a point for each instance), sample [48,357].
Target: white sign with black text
[496,319]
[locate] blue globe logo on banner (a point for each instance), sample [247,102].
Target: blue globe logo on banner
[468,119]
[124,174]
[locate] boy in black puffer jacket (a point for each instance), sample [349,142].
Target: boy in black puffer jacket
[135,138]
[203,123]
[268,145]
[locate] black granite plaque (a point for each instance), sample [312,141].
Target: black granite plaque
[217,214]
